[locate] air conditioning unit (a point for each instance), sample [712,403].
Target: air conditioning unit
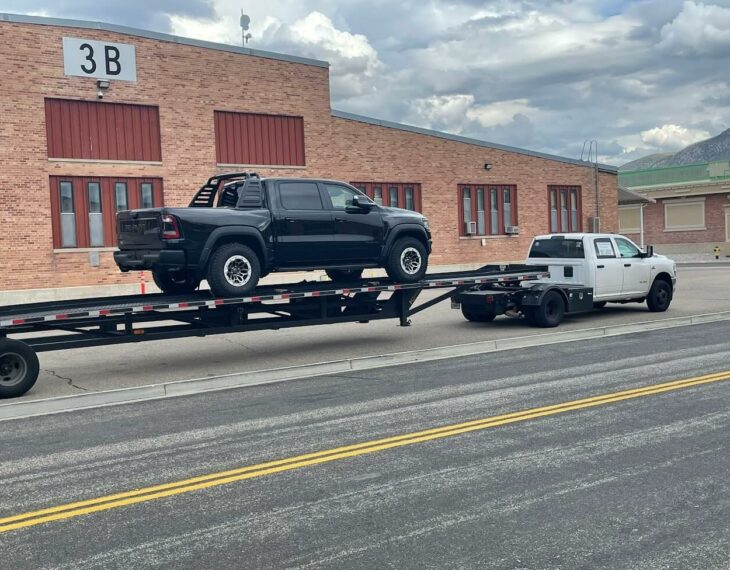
[512,230]
[470,228]
[595,225]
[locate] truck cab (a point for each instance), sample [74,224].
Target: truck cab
[613,266]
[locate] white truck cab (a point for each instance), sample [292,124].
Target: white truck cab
[612,265]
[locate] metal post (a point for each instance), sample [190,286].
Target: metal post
[641,223]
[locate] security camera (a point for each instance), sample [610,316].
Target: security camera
[100,94]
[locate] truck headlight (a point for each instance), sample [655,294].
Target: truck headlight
[425,224]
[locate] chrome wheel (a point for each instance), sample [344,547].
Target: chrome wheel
[13,369]
[410,260]
[237,270]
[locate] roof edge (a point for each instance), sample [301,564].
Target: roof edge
[127,30]
[466,140]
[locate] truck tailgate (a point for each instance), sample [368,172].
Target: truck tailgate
[140,229]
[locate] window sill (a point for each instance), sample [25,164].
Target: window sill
[479,238]
[629,230]
[690,229]
[271,166]
[102,161]
[83,249]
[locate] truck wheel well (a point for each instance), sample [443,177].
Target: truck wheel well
[409,234]
[664,277]
[243,240]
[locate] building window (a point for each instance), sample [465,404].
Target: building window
[146,197]
[68,215]
[96,221]
[629,219]
[564,203]
[397,195]
[684,215]
[476,200]
[257,139]
[120,196]
[91,130]
[84,209]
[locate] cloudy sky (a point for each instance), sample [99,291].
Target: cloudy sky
[641,76]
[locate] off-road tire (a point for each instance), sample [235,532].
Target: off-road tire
[230,264]
[175,282]
[403,252]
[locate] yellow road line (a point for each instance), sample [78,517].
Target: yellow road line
[145,494]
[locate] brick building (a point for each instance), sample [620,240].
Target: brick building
[686,208]
[95,118]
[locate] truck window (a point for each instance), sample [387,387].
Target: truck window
[558,248]
[604,248]
[340,196]
[626,248]
[300,196]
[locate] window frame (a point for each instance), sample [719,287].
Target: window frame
[691,202]
[630,230]
[494,194]
[368,188]
[566,191]
[604,240]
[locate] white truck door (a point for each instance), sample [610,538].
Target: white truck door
[637,270]
[609,271]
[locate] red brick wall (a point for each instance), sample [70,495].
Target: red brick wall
[655,234]
[189,84]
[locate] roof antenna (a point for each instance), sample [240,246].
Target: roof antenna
[245,21]
[590,154]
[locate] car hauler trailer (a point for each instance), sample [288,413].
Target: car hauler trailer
[103,321]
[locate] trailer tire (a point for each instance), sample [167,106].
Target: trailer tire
[407,261]
[167,283]
[234,270]
[344,275]
[477,315]
[550,311]
[660,296]
[19,368]
[529,314]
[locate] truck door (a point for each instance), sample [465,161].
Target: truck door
[637,269]
[358,232]
[303,227]
[609,274]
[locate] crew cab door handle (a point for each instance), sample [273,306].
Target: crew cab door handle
[627,265]
[289,220]
[340,220]
[600,266]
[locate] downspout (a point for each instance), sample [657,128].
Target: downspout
[641,223]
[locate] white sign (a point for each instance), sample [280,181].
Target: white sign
[605,249]
[101,60]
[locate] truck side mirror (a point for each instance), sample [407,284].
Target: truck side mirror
[649,251]
[361,202]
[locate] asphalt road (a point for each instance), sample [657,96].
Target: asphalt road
[701,290]
[628,481]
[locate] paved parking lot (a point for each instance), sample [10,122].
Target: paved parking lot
[701,290]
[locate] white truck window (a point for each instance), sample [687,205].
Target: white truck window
[626,248]
[604,248]
[557,248]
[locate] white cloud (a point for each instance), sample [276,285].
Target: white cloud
[698,29]
[672,137]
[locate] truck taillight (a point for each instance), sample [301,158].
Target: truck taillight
[170,227]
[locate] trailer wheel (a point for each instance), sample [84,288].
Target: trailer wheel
[660,296]
[550,311]
[407,261]
[529,314]
[174,283]
[344,275]
[234,270]
[19,368]
[476,315]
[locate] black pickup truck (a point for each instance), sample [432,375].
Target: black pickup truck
[239,227]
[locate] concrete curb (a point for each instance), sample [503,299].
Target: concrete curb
[60,404]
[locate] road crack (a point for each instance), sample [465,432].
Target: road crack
[69,381]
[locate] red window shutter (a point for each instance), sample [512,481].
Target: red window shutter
[257,139]
[90,130]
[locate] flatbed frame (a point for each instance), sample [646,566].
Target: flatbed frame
[61,325]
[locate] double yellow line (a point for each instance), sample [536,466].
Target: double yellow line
[145,494]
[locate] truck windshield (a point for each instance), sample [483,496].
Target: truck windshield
[557,248]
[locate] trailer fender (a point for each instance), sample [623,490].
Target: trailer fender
[534,295]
